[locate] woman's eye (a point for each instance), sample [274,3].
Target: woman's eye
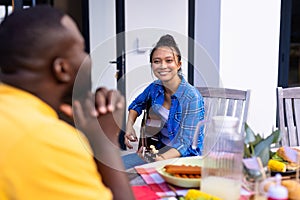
[169,61]
[156,62]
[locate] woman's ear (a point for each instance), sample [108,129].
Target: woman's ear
[179,64]
[61,70]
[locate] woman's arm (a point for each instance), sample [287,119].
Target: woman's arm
[135,109]
[172,153]
[130,135]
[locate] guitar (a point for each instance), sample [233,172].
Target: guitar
[151,126]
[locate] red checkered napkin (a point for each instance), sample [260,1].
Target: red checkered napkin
[157,183]
[161,188]
[144,192]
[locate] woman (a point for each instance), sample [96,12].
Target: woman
[179,105]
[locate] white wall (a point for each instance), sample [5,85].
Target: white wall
[248,53]
[102,42]
[207,43]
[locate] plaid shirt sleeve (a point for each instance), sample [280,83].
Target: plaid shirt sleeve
[140,102]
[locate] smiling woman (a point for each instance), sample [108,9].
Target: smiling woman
[174,106]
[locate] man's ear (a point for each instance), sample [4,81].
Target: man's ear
[61,70]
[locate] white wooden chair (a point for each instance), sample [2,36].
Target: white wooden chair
[226,102]
[288,104]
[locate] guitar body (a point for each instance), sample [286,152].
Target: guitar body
[150,128]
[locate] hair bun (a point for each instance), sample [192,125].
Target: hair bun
[166,40]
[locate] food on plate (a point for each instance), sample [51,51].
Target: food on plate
[277,166]
[194,194]
[293,188]
[187,175]
[286,156]
[183,170]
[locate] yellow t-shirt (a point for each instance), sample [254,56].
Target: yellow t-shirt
[42,157]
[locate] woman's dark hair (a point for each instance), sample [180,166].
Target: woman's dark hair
[167,41]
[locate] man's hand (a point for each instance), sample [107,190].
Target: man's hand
[106,108]
[100,118]
[110,105]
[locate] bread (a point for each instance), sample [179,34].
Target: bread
[292,166]
[288,154]
[293,188]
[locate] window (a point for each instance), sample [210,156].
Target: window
[289,51]
[294,61]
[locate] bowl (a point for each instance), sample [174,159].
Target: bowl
[178,181]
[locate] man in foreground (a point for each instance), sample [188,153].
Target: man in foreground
[43,65]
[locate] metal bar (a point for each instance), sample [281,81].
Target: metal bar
[121,58]
[191,42]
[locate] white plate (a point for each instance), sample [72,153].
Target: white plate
[182,182]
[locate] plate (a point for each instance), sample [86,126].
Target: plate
[182,182]
[286,173]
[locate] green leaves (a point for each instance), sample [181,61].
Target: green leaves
[256,146]
[250,135]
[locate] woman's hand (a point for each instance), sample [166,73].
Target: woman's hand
[159,157]
[130,136]
[171,153]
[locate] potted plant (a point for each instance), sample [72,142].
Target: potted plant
[257,146]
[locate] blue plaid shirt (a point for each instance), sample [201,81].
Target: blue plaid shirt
[187,109]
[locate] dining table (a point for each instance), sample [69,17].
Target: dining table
[148,183]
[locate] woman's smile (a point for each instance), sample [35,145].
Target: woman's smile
[163,73]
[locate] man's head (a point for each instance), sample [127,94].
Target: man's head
[41,51]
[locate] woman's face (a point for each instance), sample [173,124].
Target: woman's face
[165,64]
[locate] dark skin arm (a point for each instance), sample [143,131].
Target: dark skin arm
[101,125]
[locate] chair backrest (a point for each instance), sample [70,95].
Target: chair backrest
[288,103]
[226,102]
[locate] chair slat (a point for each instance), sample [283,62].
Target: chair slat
[231,107]
[281,117]
[239,109]
[297,118]
[290,122]
[207,106]
[222,107]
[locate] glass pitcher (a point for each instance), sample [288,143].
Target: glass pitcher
[222,158]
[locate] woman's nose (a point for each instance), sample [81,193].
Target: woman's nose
[163,65]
